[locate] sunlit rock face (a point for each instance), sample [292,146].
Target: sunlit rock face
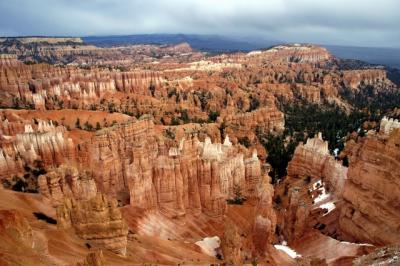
[196,176]
[44,142]
[298,53]
[354,78]
[388,125]
[8,60]
[314,160]
[97,221]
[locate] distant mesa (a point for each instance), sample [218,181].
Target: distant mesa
[51,40]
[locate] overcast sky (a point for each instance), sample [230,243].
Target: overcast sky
[344,22]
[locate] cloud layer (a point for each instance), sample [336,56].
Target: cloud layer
[346,22]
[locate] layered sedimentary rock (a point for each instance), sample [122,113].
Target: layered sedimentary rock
[387,125]
[313,161]
[45,87]
[366,192]
[355,78]
[193,146]
[232,245]
[60,50]
[265,219]
[294,53]
[315,180]
[98,221]
[43,142]
[371,193]
[9,60]
[197,176]
[66,182]
[246,124]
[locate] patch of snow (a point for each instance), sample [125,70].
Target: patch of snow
[253,53]
[209,245]
[322,196]
[335,152]
[289,251]
[360,244]
[330,206]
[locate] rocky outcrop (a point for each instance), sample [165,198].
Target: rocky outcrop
[383,256]
[196,176]
[355,78]
[297,53]
[66,182]
[315,181]
[313,161]
[43,142]
[232,245]
[8,60]
[98,221]
[61,50]
[371,193]
[388,125]
[365,193]
[245,124]
[265,219]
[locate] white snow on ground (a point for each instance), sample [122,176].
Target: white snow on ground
[209,245]
[291,253]
[360,244]
[323,200]
[329,205]
[322,196]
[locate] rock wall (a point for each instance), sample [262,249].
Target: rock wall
[365,194]
[66,182]
[315,181]
[196,176]
[98,221]
[371,193]
[313,161]
[43,142]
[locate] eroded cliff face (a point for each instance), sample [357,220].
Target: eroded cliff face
[197,176]
[98,221]
[371,193]
[294,53]
[167,174]
[61,50]
[66,182]
[355,203]
[42,142]
[315,181]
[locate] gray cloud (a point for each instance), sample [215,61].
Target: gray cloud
[348,22]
